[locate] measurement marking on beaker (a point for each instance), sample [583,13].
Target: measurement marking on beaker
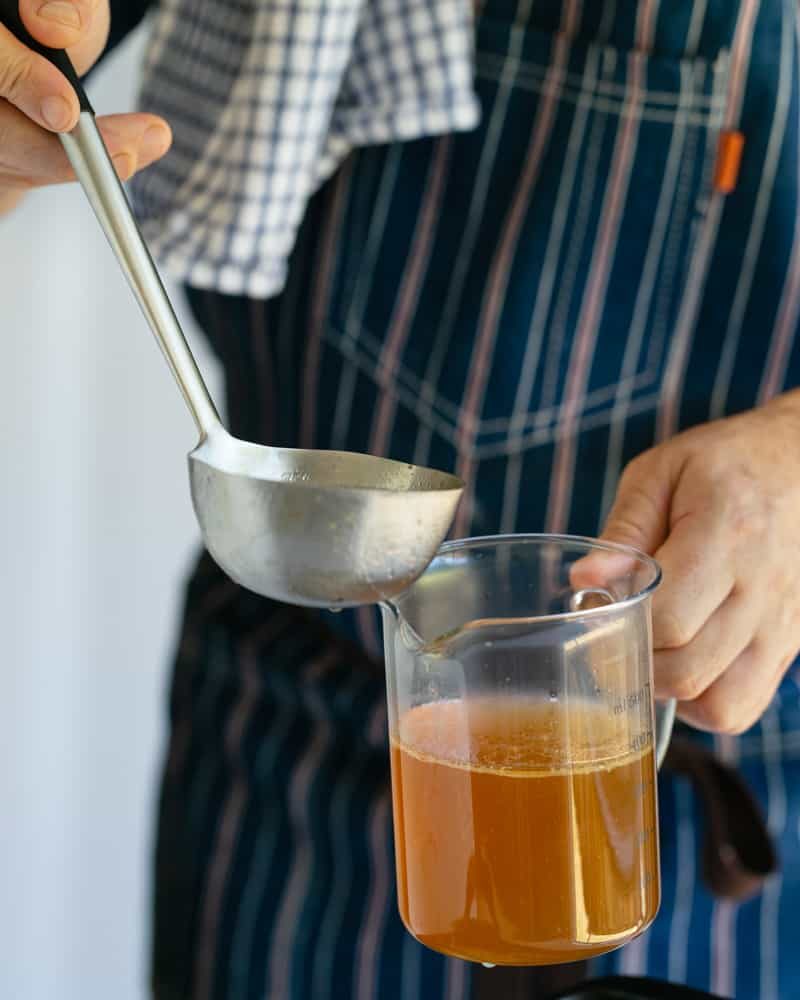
[631,700]
[639,741]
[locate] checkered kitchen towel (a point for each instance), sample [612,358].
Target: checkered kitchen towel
[265,98]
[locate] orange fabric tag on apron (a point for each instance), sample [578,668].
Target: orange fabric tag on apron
[729,158]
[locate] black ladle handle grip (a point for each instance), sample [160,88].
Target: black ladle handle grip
[9,16]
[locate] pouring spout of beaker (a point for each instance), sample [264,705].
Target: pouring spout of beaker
[389,608]
[394,621]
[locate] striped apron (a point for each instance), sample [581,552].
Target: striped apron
[530,305]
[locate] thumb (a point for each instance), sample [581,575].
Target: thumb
[639,518]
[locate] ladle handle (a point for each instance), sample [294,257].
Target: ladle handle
[92,164]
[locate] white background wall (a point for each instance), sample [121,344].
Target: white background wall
[96,535]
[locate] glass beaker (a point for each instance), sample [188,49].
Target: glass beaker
[524,750]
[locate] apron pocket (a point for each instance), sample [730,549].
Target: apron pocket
[472,272]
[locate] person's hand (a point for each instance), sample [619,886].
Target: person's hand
[719,508]
[36,100]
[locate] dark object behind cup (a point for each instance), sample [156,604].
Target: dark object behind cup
[630,988]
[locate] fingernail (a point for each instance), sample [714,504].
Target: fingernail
[154,142]
[57,112]
[123,164]
[62,13]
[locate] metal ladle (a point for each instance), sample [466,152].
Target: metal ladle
[318,528]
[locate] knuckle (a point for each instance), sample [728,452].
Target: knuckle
[723,715]
[634,507]
[15,72]
[687,685]
[638,468]
[715,463]
[85,9]
[636,465]
[671,631]
[624,525]
[746,507]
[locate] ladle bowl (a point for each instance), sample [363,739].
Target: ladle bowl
[321,528]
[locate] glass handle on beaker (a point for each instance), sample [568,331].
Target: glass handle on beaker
[598,597]
[665,720]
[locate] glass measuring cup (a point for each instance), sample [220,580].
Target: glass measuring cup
[524,749]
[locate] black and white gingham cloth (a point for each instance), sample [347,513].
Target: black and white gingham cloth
[265,98]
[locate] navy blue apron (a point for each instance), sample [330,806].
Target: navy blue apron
[531,305]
